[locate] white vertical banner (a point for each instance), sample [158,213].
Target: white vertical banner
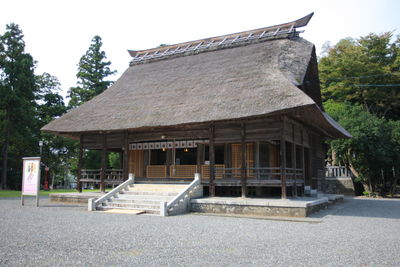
[30,178]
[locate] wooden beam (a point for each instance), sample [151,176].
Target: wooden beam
[103,164]
[243,160]
[125,157]
[283,160]
[80,163]
[211,152]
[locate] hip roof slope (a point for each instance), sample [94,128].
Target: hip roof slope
[239,82]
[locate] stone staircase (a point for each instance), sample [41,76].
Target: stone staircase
[143,198]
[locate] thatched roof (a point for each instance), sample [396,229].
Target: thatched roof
[253,79]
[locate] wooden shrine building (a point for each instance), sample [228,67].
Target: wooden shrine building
[244,110]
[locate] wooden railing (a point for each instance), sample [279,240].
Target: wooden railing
[157,171]
[114,175]
[94,176]
[182,171]
[219,171]
[89,175]
[294,173]
[264,173]
[267,173]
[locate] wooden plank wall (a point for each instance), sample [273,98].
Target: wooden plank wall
[136,163]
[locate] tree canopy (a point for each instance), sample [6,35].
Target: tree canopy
[17,106]
[364,71]
[360,82]
[93,69]
[28,101]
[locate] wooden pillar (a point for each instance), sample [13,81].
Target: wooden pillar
[257,160]
[294,162]
[211,152]
[243,160]
[80,163]
[226,158]
[303,166]
[103,164]
[173,171]
[125,157]
[283,160]
[199,157]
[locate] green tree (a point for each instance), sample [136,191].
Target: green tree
[93,69]
[365,72]
[373,153]
[17,102]
[58,152]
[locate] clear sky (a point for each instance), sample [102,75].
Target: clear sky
[58,33]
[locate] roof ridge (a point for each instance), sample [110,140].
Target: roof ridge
[285,30]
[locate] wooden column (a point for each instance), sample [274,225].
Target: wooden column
[125,157]
[226,158]
[103,164]
[212,162]
[283,160]
[80,163]
[257,159]
[173,171]
[243,160]
[303,166]
[199,156]
[294,161]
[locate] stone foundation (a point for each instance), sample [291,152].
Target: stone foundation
[343,186]
[259,207]
[74,197]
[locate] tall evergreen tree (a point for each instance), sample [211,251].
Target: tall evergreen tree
[58,152]
[93,69]
[17,97]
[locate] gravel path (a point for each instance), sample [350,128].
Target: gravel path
[357,232]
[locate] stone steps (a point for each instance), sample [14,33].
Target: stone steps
[158,186]
[149,193]
[139,206]
[136,201]
[147,210]
[143,197]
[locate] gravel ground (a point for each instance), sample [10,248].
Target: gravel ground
[357,232]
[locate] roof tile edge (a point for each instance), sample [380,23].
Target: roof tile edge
[285,30]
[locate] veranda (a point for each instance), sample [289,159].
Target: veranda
[240,157]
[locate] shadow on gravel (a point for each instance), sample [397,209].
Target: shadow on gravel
[361,207]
